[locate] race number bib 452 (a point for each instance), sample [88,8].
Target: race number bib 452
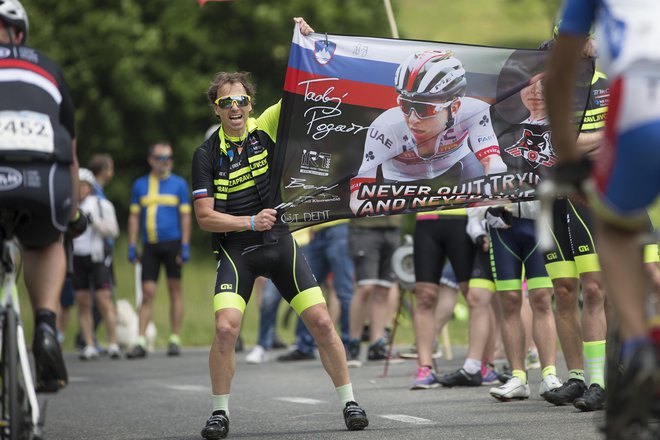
[26,130]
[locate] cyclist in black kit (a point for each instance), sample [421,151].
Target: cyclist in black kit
[38,178]
[231,180]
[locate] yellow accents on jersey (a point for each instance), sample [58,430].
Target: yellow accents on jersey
[481,283]
[307,298]
[152,207]
[587,263]
[594,119]
[185,209]
[228,300]
[562,269]
[135,209]
[651,254]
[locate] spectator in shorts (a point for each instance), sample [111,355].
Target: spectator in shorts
[91,266]
[160,210]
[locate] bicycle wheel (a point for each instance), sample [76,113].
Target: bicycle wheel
[14,400]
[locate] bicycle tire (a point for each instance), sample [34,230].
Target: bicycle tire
[16,398]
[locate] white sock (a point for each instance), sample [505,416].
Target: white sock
[221,402]
[472,366]
[345,393]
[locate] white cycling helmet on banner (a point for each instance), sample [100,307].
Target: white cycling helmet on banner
[13,13]
[431,74]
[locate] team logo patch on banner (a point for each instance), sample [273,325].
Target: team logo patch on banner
[324,50]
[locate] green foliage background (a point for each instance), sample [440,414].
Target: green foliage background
[138,72]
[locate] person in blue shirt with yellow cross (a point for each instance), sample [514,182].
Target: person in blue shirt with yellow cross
[160,212]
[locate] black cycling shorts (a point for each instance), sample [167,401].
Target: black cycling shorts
[156,254]
[43,192]
[439,239]
[89,275]
[574,249]
[282,262]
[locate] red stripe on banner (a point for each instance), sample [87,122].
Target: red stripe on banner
[487,152]
[28,66]
[350,92]
[357,181]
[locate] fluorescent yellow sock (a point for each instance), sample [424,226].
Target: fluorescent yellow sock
[547,371]
[594,361]
[520,374]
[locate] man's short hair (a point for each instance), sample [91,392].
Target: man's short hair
[99,163]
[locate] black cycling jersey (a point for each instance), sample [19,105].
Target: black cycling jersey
[36,111]
[238,182]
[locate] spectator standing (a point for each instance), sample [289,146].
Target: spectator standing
[160,212]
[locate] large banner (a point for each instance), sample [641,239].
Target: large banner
[375,126]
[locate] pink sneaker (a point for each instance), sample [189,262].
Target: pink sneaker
[424,379]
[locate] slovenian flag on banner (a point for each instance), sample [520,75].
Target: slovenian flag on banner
[377,126]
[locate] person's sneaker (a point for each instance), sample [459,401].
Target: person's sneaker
[504,374]
[551,382]
[173,349]
[532,361]
[353,354]
[51,374]
[296,355]
[88,353]
[355,417]
[137,352]
[278,344]
[377,351]
[217,426]
[256,356]
[488,374]
[460,378]
[113,351]
[424,379]
[592,400]
[567,393]
[514,389]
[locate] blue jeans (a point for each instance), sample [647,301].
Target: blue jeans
[270,301]
[327,253]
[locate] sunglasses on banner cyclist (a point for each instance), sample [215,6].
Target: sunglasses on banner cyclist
[228,101]
[422,109]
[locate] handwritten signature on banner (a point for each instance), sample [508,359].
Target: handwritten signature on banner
[317,113]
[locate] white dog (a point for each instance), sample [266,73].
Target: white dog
[127,327]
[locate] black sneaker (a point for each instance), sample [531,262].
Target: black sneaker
[296,355]
[567,393]
[353,353]
[217,426]
[592,400]
[460,378]
[137,352]
[355,417]
[51,370]
[173,349]
[278,344]
[377,351]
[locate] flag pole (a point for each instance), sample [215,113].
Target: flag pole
[390,18]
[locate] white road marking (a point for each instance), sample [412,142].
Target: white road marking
[407,419]
[302,400]
[187,387]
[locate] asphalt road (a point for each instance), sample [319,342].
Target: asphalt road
[169,398]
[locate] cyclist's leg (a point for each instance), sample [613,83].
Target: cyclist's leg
[233,287]
[296,283]
[560,265]
[44,271]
